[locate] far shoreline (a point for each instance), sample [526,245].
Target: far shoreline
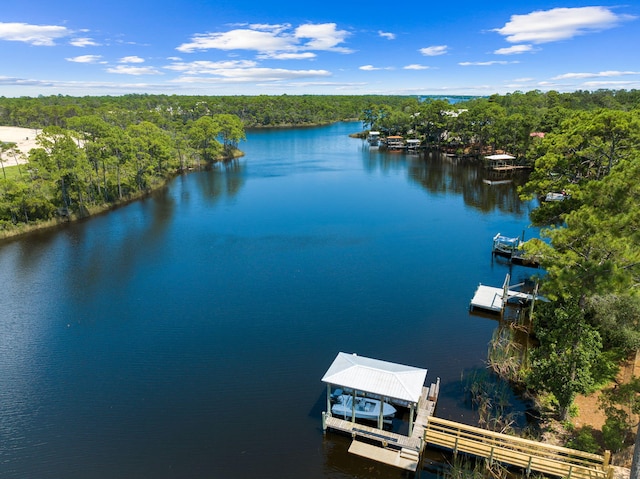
[21,231]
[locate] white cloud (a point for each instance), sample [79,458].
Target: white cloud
[131,59]
[84,42]
[371,68]
[514,50]
[13,81]
[606,74]
[434,51]
[387,35]
[322,36]
[415,66]
[558,24]
[287,56]
[617,85]
[239,39]
[129,70]
[39,35]
[241,75]
[272,39]
[484,64]
[236,71]
[85,59]
[270,27]
[204,67]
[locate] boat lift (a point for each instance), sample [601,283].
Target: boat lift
[494,300]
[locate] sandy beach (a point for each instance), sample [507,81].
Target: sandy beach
[25,140]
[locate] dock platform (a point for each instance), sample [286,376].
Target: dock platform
[388,447]
[488,298]
[492,299]
[406,459]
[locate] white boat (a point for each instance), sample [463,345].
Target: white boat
[366,408]
[503,245]
[556,196]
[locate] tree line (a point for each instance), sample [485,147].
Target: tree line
[96,161]
[254,111]
[482,125]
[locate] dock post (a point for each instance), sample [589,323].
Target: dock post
[324,422]
[328,397]
[353,407]
[411,414]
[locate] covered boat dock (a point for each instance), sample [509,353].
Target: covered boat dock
[394,383]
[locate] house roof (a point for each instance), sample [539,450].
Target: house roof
[500,157]
[386,379]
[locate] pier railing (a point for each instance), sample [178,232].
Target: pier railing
[527,454]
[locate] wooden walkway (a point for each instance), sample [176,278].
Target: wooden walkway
[529,455]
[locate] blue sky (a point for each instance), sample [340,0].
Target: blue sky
[241,47]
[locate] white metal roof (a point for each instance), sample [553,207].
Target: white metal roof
[387,379]
[500,157]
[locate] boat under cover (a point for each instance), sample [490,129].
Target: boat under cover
[366,408]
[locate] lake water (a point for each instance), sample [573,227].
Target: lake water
[185,335]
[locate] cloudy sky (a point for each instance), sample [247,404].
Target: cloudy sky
[233,47]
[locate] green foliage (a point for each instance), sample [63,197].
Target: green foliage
[620,403]
[597,250]
[584,149]
[568,349]
[507,356]
[617,317]
[614,431]
[584,440]
[163,110]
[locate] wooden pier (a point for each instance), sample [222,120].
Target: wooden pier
[405,451]
[385,446]
[513,450]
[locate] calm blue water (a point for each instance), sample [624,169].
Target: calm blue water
[185,336]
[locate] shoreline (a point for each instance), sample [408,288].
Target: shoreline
[25,141]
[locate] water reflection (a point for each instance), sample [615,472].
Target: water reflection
[223,181]
[441,174]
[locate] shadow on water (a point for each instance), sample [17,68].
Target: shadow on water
[223,180]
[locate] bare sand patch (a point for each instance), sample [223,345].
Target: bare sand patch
[25,140]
